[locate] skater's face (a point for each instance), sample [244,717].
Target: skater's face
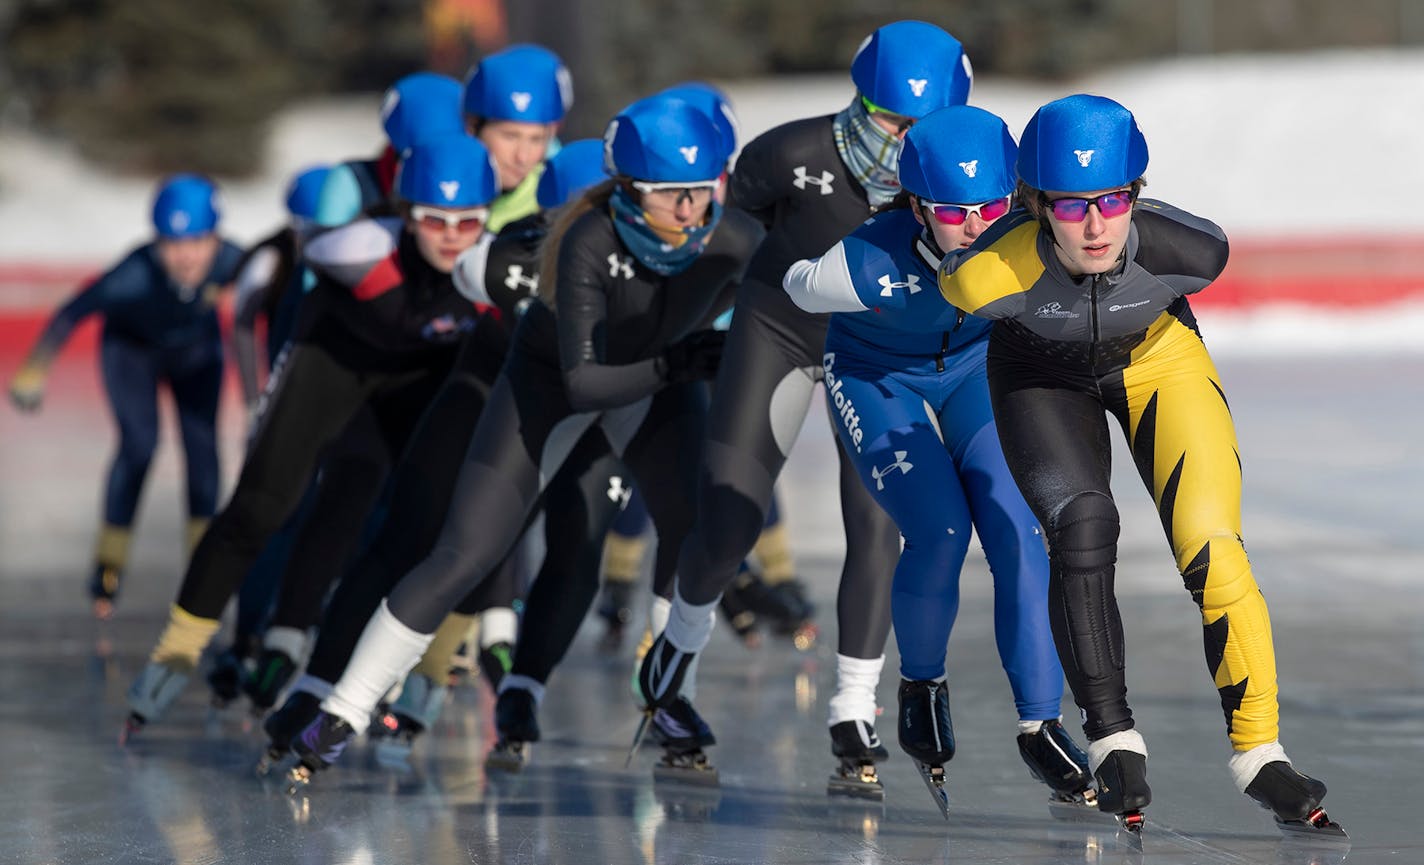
[1089,228]
[188,259]
[670,210]
[956,226]
[441,234]
[517,147]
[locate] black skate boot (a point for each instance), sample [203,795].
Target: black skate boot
[859,749]
[318,746]
[516,719]
[225,678]
[495,661]
[1294,799]
[1122,788]
[285,725]
[615,607]
[104,591]
[785,606]
[683,734]
[738,606]
[1056,760]
[927,734]
[271,675]
[661,673]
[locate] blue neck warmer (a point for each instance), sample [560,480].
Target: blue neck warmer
[652,251]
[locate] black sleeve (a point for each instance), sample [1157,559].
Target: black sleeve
[752,187]
[1181,249]
[581,298]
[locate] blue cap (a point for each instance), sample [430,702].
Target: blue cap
[663,140]
[527,83]
[958,155]
[712,102]
[1081,143]
[569,172]
[421,106]
[304,192]
[186,206]
[912,68]
[452,171]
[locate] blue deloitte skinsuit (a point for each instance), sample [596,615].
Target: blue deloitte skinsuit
[906,380]
[155,331]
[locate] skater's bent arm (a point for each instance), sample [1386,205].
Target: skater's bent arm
[583,328]
[824,284]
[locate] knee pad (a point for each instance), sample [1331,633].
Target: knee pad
[1082,534]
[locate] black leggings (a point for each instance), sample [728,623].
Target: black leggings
[770,365]
[523,438]
[315,399]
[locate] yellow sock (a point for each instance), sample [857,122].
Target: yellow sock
[773,553]
[111,548]
[623,557]
[435,663]
[183,641]
[197,526]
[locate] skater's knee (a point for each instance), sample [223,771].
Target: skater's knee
[1083,532]
[1216,571]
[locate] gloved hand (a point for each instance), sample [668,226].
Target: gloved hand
[695,356]
[27,388]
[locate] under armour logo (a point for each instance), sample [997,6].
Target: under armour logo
[515,279]
[617,492]
[179,221]
[824,181]
[521,101]
[449,189]
[1084,157]
[971,167]
[899,463]
[917,85]
[912,282]
[689,153]
[617,265]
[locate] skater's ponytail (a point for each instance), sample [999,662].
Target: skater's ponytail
[596,198]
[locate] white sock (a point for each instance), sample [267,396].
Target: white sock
[319,688]
[1127,740]
[689,626]
[523,683]
[1245,764]
[498,625]
[1034,726]
[387,650]
[658,615]
[856,681]
[289,641]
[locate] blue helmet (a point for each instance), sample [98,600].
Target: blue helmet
[569,172]
[712,102]
[911,68]
[186,206]
[663,140]
[304,192]
[958,155]
[527,83]
[450,171]
[1081,143]
[421,106]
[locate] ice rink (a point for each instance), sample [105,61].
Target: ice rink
[1331,522]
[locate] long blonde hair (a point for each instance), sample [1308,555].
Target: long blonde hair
[594,199]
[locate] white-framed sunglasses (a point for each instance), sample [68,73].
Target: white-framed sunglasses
[439,219]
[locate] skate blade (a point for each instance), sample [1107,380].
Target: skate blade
[854,788]
[702,777]
[298,779]
[933,776]
[638,737]
[1317,825]
[508,757]
[1132,821]
[1080,811]
[273,760]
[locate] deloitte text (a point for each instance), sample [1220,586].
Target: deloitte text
[844,407]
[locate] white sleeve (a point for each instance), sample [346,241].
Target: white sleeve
[823,284]
[469,272]
[347,253]
[250,282]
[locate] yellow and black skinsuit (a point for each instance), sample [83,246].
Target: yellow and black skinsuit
[1062,352]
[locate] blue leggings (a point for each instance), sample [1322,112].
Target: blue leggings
[930,456]
[131,374]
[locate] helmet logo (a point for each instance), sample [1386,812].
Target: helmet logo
[1084,157]
[971,167]
[689,153]
[917,85]
[449,188]
[521,101]
[179,221]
